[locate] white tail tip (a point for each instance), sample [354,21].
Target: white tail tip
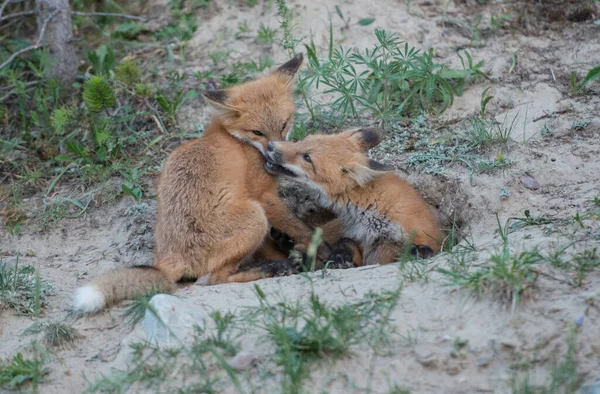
[88,299]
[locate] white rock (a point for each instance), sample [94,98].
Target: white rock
[174,319]
[242,360]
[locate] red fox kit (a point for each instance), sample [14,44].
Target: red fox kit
[375,208]
[215,199]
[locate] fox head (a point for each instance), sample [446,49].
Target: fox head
[334,164]
[258,111]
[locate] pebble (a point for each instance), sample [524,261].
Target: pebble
[242,360]
[483,361]
[425,357]
[529,182]
[176,320]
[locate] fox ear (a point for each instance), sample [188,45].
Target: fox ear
[362,175]
[218,99]
[289,69]
[367,138]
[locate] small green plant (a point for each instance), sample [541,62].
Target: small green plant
[304,334]
[137,309]
[266,34]
[577,87]
[102,60]
[300,131]
[218,57]
[172,105]
[485,99]
[20,371]
[435,158]
[222,339]
[527,220]
[507,277]
[128,73]
[98,94]
[577,266]
[22,289]
[546,131]
[243,27]
[579,125]
[398,79]
[55,334]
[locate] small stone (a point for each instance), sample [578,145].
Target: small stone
[242,360]
[529,182]
[483,361]
[508,345]
[173,322]
[425,357]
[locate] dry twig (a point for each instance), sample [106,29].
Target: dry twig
[31,47]
[137,18]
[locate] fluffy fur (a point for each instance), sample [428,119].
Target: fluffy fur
[215,200]
[374,206]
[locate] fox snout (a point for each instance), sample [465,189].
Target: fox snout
[274,155]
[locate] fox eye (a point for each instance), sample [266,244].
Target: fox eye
[307,158]
[258,133]
[284,126]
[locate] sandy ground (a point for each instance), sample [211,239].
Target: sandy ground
[565,165]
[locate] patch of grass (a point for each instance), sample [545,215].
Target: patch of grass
[389,81]
[152,367]
[564,377]
[438,155]
[22,290]
[20,371]
[266,34]
[59,334]
[507,277]
[576,267]
[304,334]
[527,220]
[137,308]
[222,339]
[55,334]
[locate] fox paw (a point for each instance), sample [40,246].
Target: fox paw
[296,259]
[421,251]
[275,268]
[342,256]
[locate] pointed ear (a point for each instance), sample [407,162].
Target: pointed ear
[288,69]
[367,138]
[218,99]
[362,175]
[377,166]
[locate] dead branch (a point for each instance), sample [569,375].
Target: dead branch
[16,15]
[125,16]
[13,91]
[31,47]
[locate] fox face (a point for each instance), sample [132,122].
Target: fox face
[333,164]
[259,111]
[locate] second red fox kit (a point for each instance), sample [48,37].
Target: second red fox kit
[215,199]
[375,208]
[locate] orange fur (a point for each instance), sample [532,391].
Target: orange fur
[215,200]
[375,207]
